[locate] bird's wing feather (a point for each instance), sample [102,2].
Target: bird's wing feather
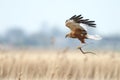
[79,19]
[73,25]
[83,26]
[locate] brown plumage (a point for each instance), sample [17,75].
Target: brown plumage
[77,31]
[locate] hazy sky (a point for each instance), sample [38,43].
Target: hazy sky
[31,14]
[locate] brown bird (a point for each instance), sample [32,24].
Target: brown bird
[78,31]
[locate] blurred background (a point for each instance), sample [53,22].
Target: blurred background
[41,23]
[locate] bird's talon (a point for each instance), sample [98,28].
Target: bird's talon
[78,47]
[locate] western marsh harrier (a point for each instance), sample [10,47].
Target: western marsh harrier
[78,31]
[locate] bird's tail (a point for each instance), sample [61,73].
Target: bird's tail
[94,37]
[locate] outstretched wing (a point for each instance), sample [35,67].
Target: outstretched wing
[79,19]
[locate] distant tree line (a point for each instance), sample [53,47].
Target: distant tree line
[54,37]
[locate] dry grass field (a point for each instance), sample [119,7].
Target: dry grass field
[58,65]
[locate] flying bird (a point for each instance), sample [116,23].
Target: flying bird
[78,31]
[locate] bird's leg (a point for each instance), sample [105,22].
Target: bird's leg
[81,45]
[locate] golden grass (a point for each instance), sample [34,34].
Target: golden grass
[53,65]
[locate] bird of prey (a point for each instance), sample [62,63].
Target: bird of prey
[78,31]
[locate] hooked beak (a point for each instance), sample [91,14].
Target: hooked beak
[66,36]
